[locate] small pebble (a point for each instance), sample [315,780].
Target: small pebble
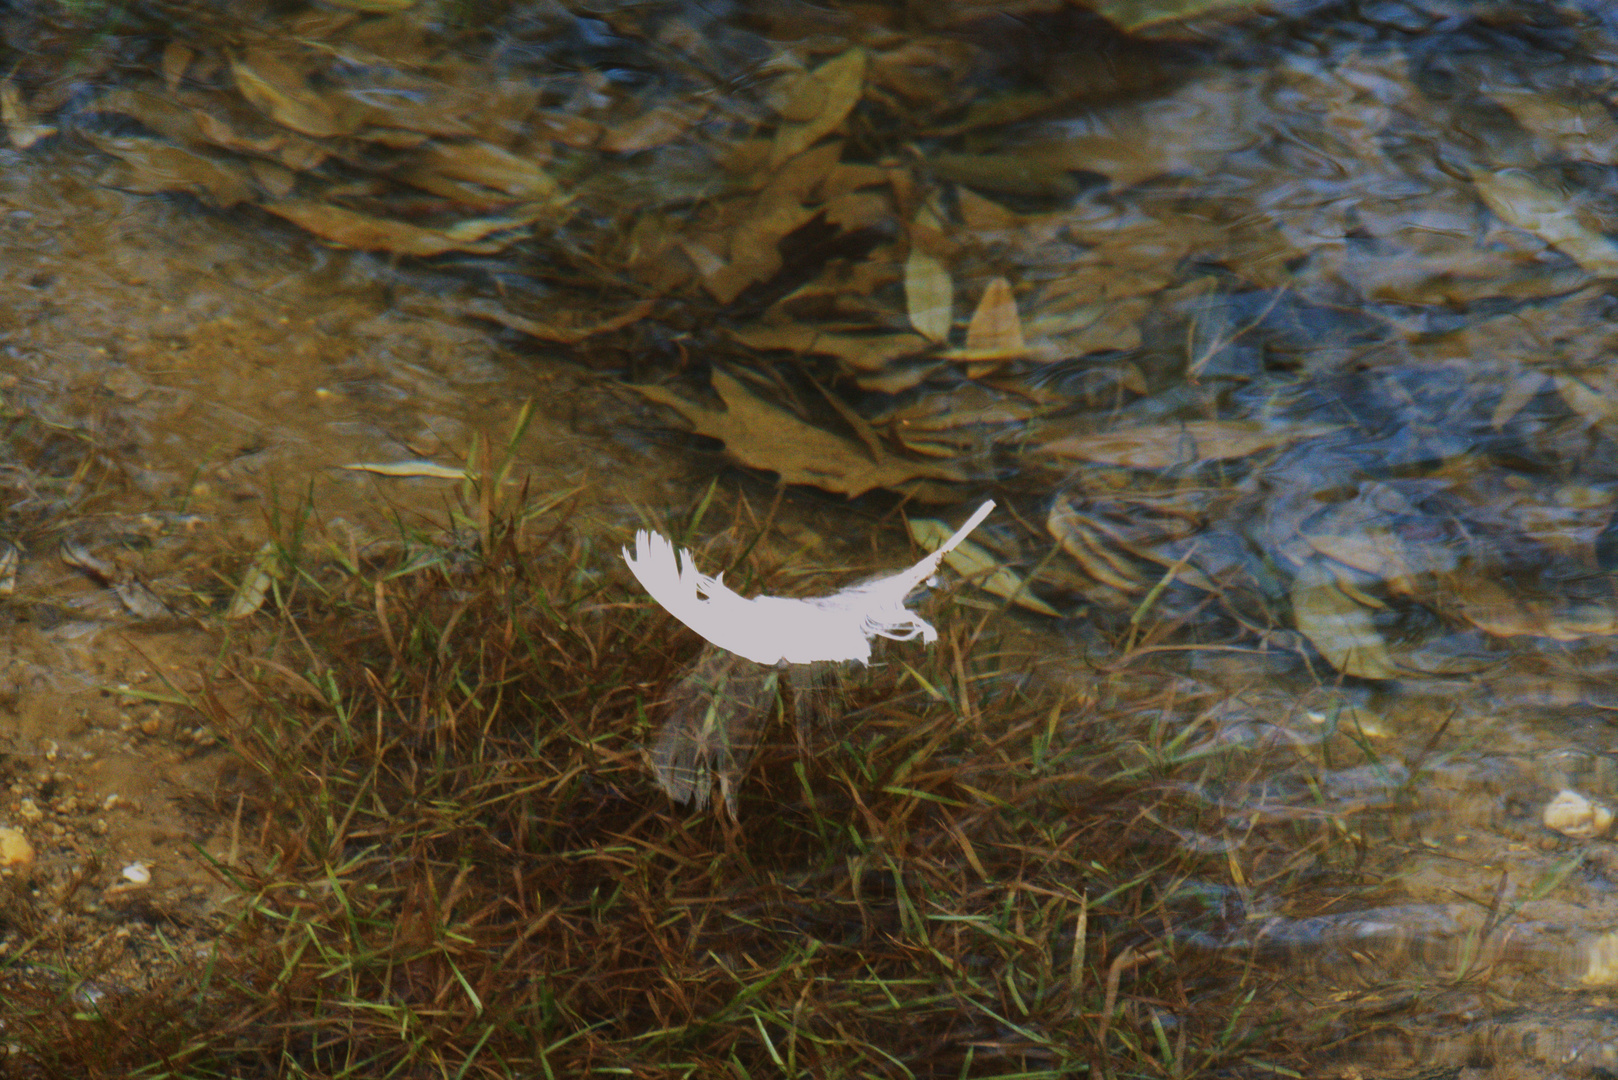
[30,811]
[16,853]
[138,874]
[1576,815]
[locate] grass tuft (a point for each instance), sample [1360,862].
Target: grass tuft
[456,861]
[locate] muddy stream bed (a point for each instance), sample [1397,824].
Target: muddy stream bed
[1285,341]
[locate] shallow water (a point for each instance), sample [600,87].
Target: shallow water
[1315,325]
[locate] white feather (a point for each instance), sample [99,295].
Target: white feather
[777,629]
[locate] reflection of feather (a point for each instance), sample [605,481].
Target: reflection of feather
[715,715]
[775,629]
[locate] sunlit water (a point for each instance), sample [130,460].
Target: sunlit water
[1341,283]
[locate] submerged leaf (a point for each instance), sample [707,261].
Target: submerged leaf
[842,80]
[860,352]
[1163,446]
[278,91]
[22,127]
[1518,200]
[1135,15]
[154,166]
[428,469]
[978,566]
[929,296]
[762,436]
[365,233]
[995,332]
[562,334]
[262,573]
[1339,626]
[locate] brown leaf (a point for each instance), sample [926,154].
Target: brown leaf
[867,353]
[761,436]
[1340,627]
[156,166]
[1008,174]
[1093,555]
[567,129]
[544,331]
[1518,200]
[174,122]
[843,80]
[1163,446]
[493,167]
[293,151]
[177,57]
[21,126]
[1482,602]
[1584,131]
[365,233]
[272,86]
[656,127]
[374,7]
[995,332]
[929,296]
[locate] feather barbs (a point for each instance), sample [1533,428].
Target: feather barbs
[777,629]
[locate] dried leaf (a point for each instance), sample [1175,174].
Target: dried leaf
[373,7]
[655,127]
[165,117]
[995,332]
[154,166]
[277,90]
[10,560]
[564,335]
[261,574]
[862,353]
[1593,406]
[429,469]
[1132,16]
[1093,555]
[762,436]
[1484,603]
[493,167]
[1339,627]
[293,151]
[365,233]
[843,81]
[929,296]
[1007,174]
[1518,200]
[139,600]
[177,57]
[22,127]
[976,565]
[1583,131]
[1163,446]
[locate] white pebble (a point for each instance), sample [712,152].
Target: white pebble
[1578,816]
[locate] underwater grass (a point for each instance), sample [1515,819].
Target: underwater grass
[457,862]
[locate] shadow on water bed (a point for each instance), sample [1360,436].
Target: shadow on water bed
[1271,728]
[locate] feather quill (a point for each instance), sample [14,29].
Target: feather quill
[776,629]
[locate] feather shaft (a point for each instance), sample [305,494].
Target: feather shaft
[777,629]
